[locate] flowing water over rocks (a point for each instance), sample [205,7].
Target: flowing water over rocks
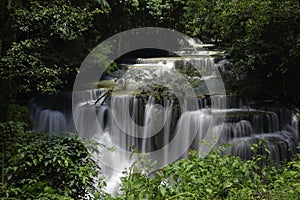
[169,121]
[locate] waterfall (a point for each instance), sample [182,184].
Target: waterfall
[164,127]
[167,128]
[50,121]
[280,144]
[150,116]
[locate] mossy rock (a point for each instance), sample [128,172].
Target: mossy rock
[108,84]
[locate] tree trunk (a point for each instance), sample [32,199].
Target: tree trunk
[4,100]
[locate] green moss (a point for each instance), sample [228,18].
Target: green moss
[108,84]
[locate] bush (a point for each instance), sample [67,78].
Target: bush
[18,113]
[197,178]
[215,177]
[287,184]
[51,167]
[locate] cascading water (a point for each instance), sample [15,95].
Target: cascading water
[51,121]
[147,122]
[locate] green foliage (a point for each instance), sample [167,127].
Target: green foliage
[51,39]
[261,38]
[111,69]
[143,13]
[101,55]
[287,183]
[190,73]
[162,11]
[60,19]
[188,70]
[42,55]
[159,91]
[12,135]
[18,113]
[213,177]
[47,166]
[197,178]
[24,62]
[201,18]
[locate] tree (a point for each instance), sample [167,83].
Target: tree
[261,38]
[7,37]
[141,13]
[38,50]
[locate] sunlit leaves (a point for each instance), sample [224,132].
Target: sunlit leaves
[25,65]
[57,19]
[215,177]
[36,60]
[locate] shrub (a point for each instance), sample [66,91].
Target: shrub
[211,177]
[215,177]
[50,166]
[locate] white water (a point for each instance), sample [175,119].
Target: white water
[147,125]
[51,121]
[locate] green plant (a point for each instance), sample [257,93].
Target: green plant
[18,113]
[12,135]
[214,177]
[211,177]
[261,39]
[286,184]
[52,166]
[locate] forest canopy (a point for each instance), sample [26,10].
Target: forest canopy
[43,43]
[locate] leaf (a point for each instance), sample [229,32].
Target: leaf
[66,163]
[28,163]
[34,162]
[209,190]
